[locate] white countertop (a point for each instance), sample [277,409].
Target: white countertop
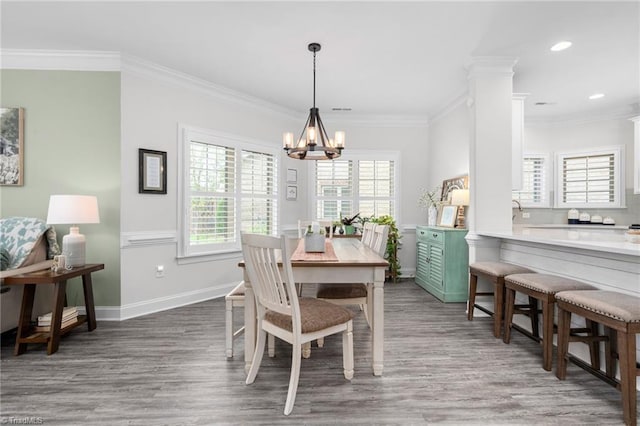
[590,237]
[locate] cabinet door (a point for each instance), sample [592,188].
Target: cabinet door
[436,266]
[422,263]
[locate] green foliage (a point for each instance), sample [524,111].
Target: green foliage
[350,220]
[393,243]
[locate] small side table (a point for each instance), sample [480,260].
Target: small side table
[59,280]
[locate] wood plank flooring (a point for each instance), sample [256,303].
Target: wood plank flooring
[169,368]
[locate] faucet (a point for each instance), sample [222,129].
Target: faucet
[519,208]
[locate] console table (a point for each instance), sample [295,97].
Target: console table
[59,280]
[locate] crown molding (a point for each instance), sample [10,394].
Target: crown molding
[450,106]
[377,120]
[65,60]
[146,68]
[620,112]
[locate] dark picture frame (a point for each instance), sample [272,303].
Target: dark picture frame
[12,146]
[448,185]
[152,171]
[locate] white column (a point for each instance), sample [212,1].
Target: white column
[636,154]
[517,139]
[490,151]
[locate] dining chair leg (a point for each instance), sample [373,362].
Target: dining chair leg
[347,351]
[306,350]
[257,357]
[293,381]
[271,345]
[229,328]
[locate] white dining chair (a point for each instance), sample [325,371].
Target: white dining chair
[367,233]
[281,313]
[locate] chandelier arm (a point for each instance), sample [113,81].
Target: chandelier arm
[304,129]
[323,133]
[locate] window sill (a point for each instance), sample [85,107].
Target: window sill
[209,257]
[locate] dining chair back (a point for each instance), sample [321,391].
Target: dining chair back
[380,235]
[281,313]
[367,233]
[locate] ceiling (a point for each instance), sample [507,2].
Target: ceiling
[377,58]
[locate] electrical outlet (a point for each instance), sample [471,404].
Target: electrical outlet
[160,271]
[526,215]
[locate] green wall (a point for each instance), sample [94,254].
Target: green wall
[71,146]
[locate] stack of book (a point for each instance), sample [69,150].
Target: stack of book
[69,316]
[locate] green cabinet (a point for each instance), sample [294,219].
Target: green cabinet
[442,266]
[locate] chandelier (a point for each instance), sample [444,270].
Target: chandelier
[313,143]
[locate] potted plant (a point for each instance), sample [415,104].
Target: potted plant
[349,223]
[429,200]
[393,244]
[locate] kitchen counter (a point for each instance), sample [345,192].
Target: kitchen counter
[603,238]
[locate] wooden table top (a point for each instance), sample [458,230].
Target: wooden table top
[48,276]
[349,251]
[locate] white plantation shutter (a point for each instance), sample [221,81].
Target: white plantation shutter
[535,189]
[362,183]
[590,179]
[228,186]
[259,193]
[212,194]
[377,187]
[334,189]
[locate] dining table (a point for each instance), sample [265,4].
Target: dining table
[345,261]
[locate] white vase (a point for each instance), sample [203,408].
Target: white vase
[432,216]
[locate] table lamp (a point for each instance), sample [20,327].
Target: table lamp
[73,210]
[460,198]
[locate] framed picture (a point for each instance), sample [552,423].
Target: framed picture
[11,146]
[448,216]
[292,192]
[292,175]
[152,171]
[448,185]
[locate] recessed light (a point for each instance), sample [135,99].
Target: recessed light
[597,96]
[561,46]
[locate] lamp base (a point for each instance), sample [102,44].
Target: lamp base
[460,219]
[73,247]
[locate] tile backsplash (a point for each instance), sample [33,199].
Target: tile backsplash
[559,216]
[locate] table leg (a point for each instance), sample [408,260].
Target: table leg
[59,292]
[88,302]
[378,325]
[249,325]
[24,322]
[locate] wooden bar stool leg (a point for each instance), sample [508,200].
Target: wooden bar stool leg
[547,337]
[508,313]
[533,308]
[498,306]
[627,357]
[473,287]
[564,324]
[594,345]
[610,348]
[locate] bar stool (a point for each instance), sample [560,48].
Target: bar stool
[494,272]
[619,312]
[543,287]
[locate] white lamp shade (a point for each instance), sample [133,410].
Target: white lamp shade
[460,197]
[73,209]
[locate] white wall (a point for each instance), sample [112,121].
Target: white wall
[550,138]
[449,146]
[152,107]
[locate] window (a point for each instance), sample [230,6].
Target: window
[535,178]
[362,183]
[590,179]
[228,185]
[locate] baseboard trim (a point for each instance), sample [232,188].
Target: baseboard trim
[138,309]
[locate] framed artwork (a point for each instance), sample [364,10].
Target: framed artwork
[152,171]
[448,216]
[448,185]
[11,146]
[292,192]
[292,175]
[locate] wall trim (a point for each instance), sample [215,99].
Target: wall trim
[147,238]
[450,106]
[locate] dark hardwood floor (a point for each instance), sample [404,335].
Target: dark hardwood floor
[170,368]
